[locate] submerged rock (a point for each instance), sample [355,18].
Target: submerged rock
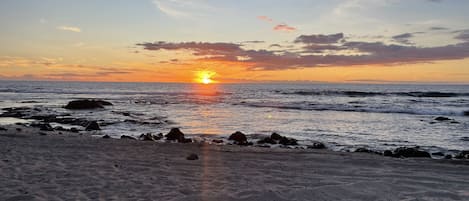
[239,138]
[442,119]
[86,104]
[317,145]
[3,129]
[462,155]
[126,137]
[387,153]
[363,150]
[466,113]
[192,157]
[106,137]
[92,126]
[410,152]
[267,140]
[43,126]
[150,137]
[219,141]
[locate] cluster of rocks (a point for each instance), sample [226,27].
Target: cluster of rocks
[276,138]
[407,152]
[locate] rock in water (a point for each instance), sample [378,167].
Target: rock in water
[387,153]
[86,104]
[147,137]
[3,129]
[317,145]
[239,138]
[175,134]
[442,119]
[106,137]
[462,155]
[126,137]
[410,152]
[92,126]
[43,126]
[192,157]
[275,136]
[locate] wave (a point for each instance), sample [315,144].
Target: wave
[365,109]
[420,94]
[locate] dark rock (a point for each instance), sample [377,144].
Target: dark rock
[126,114]
[462,155]
[92,126]
[86,104]
[438,154]
[217,141]
[74,130]
[147,137]
[3,129]
[410,152]
[106,137]
[239,138]
[454,122]
[317,145]
[466,113]
[275,136]
[387,153]
[267,140]
[175,134]
[465,138]
[288,141]
[442,119]
[19,129]
[192,157]
[43,126]
[448,156]
[126,137]
[42,133]
[363,150]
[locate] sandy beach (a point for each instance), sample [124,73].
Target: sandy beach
[80,167]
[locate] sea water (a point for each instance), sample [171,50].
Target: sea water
[343,116]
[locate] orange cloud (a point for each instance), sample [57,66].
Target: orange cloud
[284,27]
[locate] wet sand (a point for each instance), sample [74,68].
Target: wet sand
[80,167]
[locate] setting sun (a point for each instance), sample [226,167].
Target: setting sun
[205,77]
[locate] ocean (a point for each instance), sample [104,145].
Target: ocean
[343,116]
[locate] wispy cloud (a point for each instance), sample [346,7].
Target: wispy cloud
[277,27]
[69,28]
[284,27]
[183,8]
[265,18]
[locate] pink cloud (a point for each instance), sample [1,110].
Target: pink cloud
[284,27]
[265,18]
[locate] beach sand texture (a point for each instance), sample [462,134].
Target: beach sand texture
[80,167]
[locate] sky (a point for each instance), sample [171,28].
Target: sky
[345,41]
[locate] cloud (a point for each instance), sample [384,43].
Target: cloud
[7,61]
[183,8]
[319,38]
[317,51]
[284,27]
[69,28]
[265,18]
[403,38]
[438,28]
[463,35]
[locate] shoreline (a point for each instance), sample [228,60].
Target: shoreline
[74,166]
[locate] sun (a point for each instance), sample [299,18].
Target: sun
[205,77]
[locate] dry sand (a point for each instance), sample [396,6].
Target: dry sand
[73,167]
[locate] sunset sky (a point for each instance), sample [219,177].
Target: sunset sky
[377,41]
